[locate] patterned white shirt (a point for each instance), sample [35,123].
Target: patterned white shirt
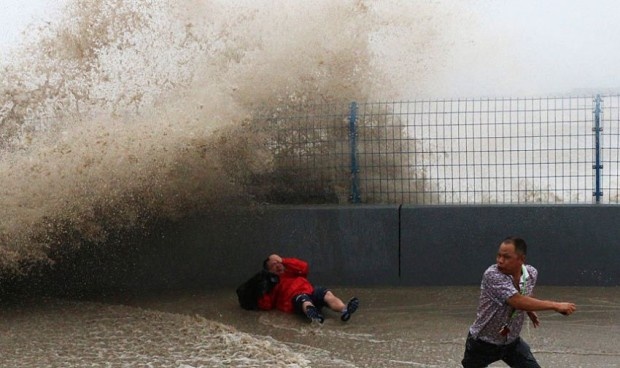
[493,310]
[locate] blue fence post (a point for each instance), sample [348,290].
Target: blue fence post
[597,149]
[355,194]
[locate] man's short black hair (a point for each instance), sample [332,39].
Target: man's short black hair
[266,264]
[520,245]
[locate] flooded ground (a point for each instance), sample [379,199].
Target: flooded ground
[394,327]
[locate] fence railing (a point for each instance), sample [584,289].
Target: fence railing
[467,151]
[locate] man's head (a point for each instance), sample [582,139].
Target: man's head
[273,264]
[511,255]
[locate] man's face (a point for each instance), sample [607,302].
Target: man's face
[275,266]
[508,260]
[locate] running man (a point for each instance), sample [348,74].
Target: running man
[506,296]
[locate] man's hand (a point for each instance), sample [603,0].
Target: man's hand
[534,318]
[565,308]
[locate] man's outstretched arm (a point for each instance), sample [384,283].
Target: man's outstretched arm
[529,304]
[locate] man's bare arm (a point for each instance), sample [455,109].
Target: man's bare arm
[529,304]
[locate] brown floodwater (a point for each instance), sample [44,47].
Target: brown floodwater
[394,327]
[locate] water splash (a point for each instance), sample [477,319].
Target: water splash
[121,113]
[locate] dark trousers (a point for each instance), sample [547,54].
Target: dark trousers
[480,354]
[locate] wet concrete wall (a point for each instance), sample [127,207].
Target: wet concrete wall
[355,246]
[389,245]
[569,245]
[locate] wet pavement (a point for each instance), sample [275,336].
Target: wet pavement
[417,327]
[394,327]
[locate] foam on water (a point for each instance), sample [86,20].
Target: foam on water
[78,334]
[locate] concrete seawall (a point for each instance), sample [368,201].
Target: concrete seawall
[361,246]
[569,245]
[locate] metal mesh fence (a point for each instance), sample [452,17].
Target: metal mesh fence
[474,151]
[610,149]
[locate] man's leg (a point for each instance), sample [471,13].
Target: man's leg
[336,304]
[479,354]
[520,355]
[333,302]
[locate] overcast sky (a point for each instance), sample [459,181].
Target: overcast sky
[537,47]
[525,47]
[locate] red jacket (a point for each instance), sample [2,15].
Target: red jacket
[293,282]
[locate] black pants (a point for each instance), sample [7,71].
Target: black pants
[480,354]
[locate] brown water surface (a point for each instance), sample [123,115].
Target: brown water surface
[394,327]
